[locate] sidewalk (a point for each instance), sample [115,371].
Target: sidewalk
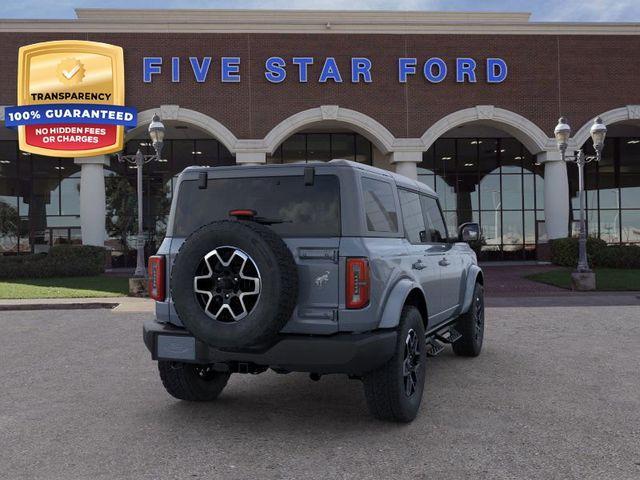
[116,304]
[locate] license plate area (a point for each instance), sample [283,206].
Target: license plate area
[175,347]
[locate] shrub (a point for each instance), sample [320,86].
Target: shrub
[61,261]
[564,252]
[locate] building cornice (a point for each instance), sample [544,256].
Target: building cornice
[307,21]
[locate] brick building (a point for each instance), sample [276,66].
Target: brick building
[465,102]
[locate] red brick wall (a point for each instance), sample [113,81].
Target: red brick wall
[578,76]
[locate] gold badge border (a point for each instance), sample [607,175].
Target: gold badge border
[71,47]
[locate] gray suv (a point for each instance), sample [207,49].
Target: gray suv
[323,268]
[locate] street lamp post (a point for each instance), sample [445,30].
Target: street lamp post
[598,132]
[156,133]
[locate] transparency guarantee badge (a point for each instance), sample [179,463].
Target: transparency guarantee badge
[71,99]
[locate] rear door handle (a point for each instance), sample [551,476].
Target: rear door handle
[444,262]
[418,265]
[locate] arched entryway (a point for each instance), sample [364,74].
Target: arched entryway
[185,144]
[484,166]
[613,185]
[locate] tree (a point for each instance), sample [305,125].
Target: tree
[9,222]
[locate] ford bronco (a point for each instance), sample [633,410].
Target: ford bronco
[323,268]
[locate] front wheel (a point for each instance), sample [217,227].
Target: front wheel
[194,383]
[471,326]
[394,391]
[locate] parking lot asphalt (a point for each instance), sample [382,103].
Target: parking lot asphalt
[555,394]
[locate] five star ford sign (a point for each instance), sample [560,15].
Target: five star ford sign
[70,99]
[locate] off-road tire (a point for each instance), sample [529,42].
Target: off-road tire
[278,290]
[471,326]
[193,383]
[385,388]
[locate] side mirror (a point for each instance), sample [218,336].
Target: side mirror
[469,232]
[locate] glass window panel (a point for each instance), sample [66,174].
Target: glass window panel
[437,232]
[9,218]
[69,168]
[8,158]
[380,209]
[75,236]
[467,192]
[294,149]
[60,236]
[70,196]
[276,157]
[464,216]
[629,155]
[428,159]
[490,198]
[445,156]
[363,150]
[226,157]
[318,147]
[451,220]
[512,192]
[412,217]
[608,196]
[610,226]
[528,192]
[631,226]
[467,154]
[206,152]
[446,193]
[630,190]
[59,221]
[512,228]
[45,166]
[488,156]
[425,177]
[530,228]
[539,192]
[511,155]
[491,228]
[159,202]
[24,165]
[343,145]
[181,156]
[45,197]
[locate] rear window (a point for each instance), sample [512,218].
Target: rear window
[301,210]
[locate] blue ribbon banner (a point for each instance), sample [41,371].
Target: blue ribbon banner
[70,113]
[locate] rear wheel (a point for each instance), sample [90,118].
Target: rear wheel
[471,326]
[394,391]
[194,383]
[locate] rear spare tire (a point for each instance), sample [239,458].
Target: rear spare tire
[234,284]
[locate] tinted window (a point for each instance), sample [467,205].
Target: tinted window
[302,210]
[436,230]
[379,205]
[412,217]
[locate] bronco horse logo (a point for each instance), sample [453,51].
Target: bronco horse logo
[322,279]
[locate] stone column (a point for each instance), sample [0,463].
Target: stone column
[556,194]
[251,158]
[406,163]
[93,208]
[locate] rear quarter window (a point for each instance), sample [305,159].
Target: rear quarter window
[380,206]
[298,210]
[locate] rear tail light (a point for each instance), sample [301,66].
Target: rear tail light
[156,278]
[357,282]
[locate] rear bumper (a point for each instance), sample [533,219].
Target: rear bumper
[341,353]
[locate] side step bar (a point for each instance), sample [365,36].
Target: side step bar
[435,343]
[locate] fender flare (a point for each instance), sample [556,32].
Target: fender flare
[472,276]
[395,302]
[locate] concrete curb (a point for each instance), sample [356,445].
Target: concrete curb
[57,306]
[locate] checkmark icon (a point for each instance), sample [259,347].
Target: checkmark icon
[71,73]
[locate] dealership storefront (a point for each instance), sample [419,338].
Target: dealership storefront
[465,103]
